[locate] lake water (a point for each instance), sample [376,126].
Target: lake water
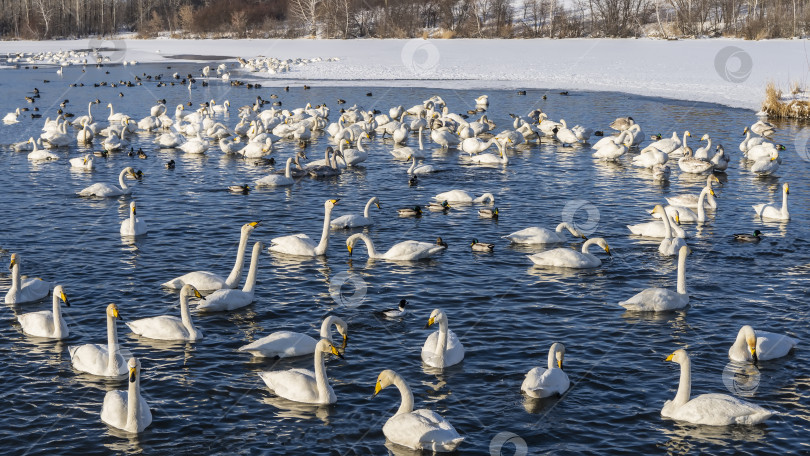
[207,398]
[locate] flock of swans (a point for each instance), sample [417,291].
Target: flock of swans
[254,136]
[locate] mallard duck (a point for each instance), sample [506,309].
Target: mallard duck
[415,211]
[440,242]
[436,207]
[481,246]
[488,213]
[745,237]
[243,189]
[170,164]
[413,180]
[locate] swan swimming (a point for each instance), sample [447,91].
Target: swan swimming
[662,299]
[442,348]
[538,235]
[128,410]
[354,220]
[103,189]
[133,226]
[544,382]
[569,258]
[754,346]
[169,327]
[47,323]
[402,251]
[773,212]
[228,299]
[301,244]
[288,344]
[24,290]
[101,360]
[303,385]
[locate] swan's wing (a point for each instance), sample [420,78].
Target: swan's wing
[100,189]
[533,235]
[284,344]
[422,429]
[202,280]
[565,258]
[34,289]
[225,300]
[772,345]
[39,324]
[430,346]
[296,244]
[408,250]
[114,409]
[655,300]
[93,359]
[163,327]
[455,350]
[349,221]
[295,384]
[720,410]
[542,382]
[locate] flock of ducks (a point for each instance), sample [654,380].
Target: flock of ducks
[255,134]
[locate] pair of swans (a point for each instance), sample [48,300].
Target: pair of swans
[301,244]
[416,429]
[402,251]
[104,190]
[442,348]
[708,409]
[690,200]
[127,410]
[538,235]
[662,299]
[101,360]
[133,226]
[754,346]
[226,299]
[169,327]
[303,385]
[48,324]
[208,281]
[289,344]
[24,290]
[772,211]
[354,220]
[545,382]
[569,258]
[460,196]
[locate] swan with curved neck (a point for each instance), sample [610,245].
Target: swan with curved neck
[104,361]
[544,382]
[442,348]
[207,281]
[169,327]
[102,189]
[227,299]
[416,429]
[301,385]
[402,251]
[708,409]
[662,299]
[47,323]
[128,410]
[539,235]
[354,220]
[289,344]
[568,258]
[301,244]
[669,245]
[690,200]
[773,212]
[24,290]
[275,180]
[754,346]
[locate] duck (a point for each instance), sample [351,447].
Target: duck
[442,348]
[708,409]
[23,291]
[756,236]
[771,211]
[105,190]
[127,410]
[488,213]
[662,299]
[133,226]
[402,251]
[481,246]
[415,211]
[354,220]
[461,196]
[398,312]
[289,344]
[207,281]
[569,258]
[170,164]
[241,189]
[301,244]
[754,346]
[226,299]
[48,324]
[545,382]
[538,235]
[169,327]
[302,385]
[436,206]
[101,360]
[416,429]
[83,163]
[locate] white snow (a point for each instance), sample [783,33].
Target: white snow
[726,71]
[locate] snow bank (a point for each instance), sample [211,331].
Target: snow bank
[725,71]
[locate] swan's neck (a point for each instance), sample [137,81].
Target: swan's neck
[441,342]
[321,248]
[112,113]
[784,203]
[708,144]
[15,277]
[360,144]
[57,318]
[682,273]
[685,385]
[667,225]
[701,211]
[413,166]
[406,406]
[586,246]
[287,173]
[112,345]
[121,180]
[565,226]
[421,147]
[250,282]
[185,314]
[321,382]
[552,359]
[368,207]
[486,197]
[134,403]
[372,252]
[683,143]
[236,273]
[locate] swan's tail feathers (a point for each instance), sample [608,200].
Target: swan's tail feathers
[72,350]
[174,284]
[449,445]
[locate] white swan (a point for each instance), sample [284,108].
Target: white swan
[402,251]
[103,189]
[690,200]
[474,146]
[702,153]
[686,214]
[354,220]
[764,150]
[288,344]
[422,169]
[544,382]
[47,323]
[24,290]
[569,258]
[766,166]
[754,346]
[658,229]
[404,153]
[670,245]
[133,226]
[662,299]
[710,409]
[750,142]
[357,155]
[302,385]
[277,180]
[650,158]
[416,429]
[207,281]
[460,196]
[666,145]
[38,154]
[169,327]
[720,160]
[771,211]
[85,163]
[538,235]
[763,128]
[565,135]
[101,360]
[228,299]
[128,410]
[442,348]
[301,244]
[11,118]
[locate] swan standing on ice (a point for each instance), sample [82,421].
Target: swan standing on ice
[771,211]
[541,382]
[288,344]
[402,251]
[101,360]
[303,385]
[47,323]
[103,189]
[354,220]
[169,327]
[24,290]
[662,299]
[753,346]
[128,410]
[133,226]
[442,348]
[569,258]
[416,429]
[710,409]
[301,244]
[227,299]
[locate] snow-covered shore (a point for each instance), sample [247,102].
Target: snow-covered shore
[726,71]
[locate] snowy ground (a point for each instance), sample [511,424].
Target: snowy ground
[724,71]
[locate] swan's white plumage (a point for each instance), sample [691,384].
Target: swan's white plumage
[549,381]
[24,290]
[569,258]
[47,323]
[662,299]
[765,345]
[538,235]
[442,348]
[101,360]
[169,327]
[227,299]
[302,385]
[127,410]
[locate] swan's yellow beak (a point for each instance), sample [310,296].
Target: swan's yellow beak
[85,160]
[775,156]
[114,311]
[335,201]
[64,298]
[13,261]
[133,209]
[131,375]
[607,249]
[378,205]
[430,322]
[377,388]
[350,249]
[712,192]
[336,352]
[787,189]
[197,294]
[255,224]
[559,363]
[669,358]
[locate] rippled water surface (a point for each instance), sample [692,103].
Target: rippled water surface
[207,398]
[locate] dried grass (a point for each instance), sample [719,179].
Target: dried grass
[778,108]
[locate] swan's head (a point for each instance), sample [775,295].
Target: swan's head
[686,133]
[750,340]
[342,328]
[603,243]
[786,188]
[134,369]
[59,292]
[190,291]
[249,227]
[774,155]
[437,316]
[559,353]
[377,203]
[386,378]
[678,356]
[15,260]
[658,209]
[705,137]
[325,346]
[329,204]
[132,208]
[109,105]
[351,241]
[745,130]
[112,311]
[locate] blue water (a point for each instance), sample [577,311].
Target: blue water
[207,398]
